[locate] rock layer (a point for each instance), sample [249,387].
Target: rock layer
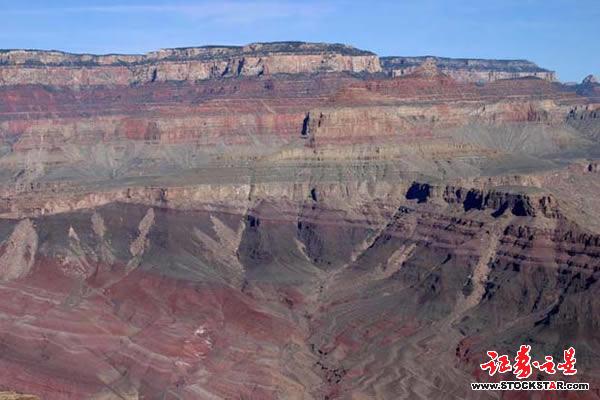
[185,64]
[469,70]
[306,228]
[210,62]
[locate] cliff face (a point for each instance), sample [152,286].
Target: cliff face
[284,221]
[469,70]
[186,64]
[201,63]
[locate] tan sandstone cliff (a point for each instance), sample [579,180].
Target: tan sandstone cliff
[183,64]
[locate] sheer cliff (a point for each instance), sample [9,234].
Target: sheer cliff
[184,64]
[470,70]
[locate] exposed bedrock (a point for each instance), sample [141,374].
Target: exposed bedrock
[325,297]
[16,396]
[469,70]
[517,202]
[185,64]
[209,62]
[288,221]
[283,116]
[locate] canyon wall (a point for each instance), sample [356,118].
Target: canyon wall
[186,64]
[209,62]
[291,221]
[469,70]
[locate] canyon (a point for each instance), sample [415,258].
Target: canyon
[292,221]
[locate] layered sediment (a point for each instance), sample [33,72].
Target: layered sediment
[210,62]
[184,64]
[287,221]
[469,70]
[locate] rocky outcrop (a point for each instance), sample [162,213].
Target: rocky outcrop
[16,396]
[522,203]
[589,87]
[18,252]
[468,70]
[311,257]
[589,80]
[258,59]
[185,64]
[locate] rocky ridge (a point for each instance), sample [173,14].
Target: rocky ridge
[589,80]
[183,64]
[209,62]
[469,70]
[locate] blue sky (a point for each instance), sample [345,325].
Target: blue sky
[563,35]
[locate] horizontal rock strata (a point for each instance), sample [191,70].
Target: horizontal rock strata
[291,221]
